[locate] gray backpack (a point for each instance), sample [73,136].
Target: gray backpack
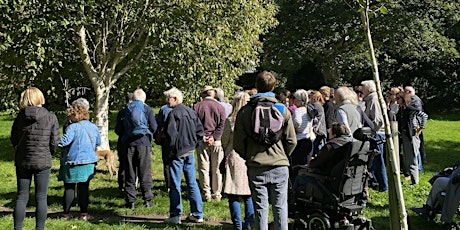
[268,122]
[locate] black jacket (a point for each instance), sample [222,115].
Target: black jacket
[34,135]
[183,131]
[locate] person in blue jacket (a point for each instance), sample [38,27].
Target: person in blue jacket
[78,159]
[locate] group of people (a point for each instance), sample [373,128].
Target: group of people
[230,160]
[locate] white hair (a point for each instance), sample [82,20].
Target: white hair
[174,92]
[81,101]
[301,95]
[220,95]
[369,85]
[139,95]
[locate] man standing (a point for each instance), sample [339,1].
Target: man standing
[182,133]
[268,171]
[417,104]
[210,153]
[122,149]
[374,113]
[136,126]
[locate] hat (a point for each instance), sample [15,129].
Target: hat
[207,88]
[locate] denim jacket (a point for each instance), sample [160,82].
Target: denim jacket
[77,147]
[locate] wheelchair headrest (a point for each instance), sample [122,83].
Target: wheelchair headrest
[362,134]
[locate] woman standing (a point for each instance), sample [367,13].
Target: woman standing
[34,136]
[78,159]
[411,122]
[304,133]
[236,179]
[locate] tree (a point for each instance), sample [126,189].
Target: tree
[328,33]
[161,43]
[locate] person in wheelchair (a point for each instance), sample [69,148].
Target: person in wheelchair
[328,156]
[444,198]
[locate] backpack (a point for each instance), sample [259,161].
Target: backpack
[268,122]
[135,121]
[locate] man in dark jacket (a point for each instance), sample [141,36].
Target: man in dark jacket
[138,161]
[183,132]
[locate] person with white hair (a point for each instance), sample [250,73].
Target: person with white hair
[183,132]
[374,112]
[346,112]
[138,160]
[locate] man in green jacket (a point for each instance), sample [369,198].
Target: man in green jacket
[268,171]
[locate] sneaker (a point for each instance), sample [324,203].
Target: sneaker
[86,217]
[191,218]
[66,216]
[173,220]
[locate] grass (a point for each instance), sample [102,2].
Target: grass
[442,137]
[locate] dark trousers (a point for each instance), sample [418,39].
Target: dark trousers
[122,158]
[166,173]
[138,163]
[83,196]
[23,179]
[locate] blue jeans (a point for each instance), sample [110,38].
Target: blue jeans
[269,184]
[186,165]
[41,180]
[378,165]
[235,212]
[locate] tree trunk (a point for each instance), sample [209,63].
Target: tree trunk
[101,114]
[398,214]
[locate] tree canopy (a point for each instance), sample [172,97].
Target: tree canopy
[416,42]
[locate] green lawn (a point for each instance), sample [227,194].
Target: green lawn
[442,142]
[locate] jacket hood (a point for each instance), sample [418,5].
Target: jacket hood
[35,113]
[263,98]
[340,141]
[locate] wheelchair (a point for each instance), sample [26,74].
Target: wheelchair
[336,200]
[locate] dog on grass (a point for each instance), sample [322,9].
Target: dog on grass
[110,159]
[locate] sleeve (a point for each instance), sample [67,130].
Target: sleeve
[199,131]
[69,135]
[220,126]
[54,136]
[119,128]
[290,141]
[14,132]
[322,158]
[170,133]
[329,110]
[239,135]
[151,119]
[342,118]
[226,134]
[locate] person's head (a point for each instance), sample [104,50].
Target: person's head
[139,95]
[393,93]
[368,87]
[220,95]
[81,101]
[240,99]
[344,93]
[129,97]
[265,82]
[338,129]
[77,113]
[32,96]
[403,99]
[284,96]
[173,97]
[208,91]
[326,92]
[409,90]
[251,91]
[317,97]
[300,97]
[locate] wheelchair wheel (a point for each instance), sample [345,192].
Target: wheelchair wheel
[299,224]
[318,221]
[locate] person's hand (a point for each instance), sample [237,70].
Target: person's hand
[210,141]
